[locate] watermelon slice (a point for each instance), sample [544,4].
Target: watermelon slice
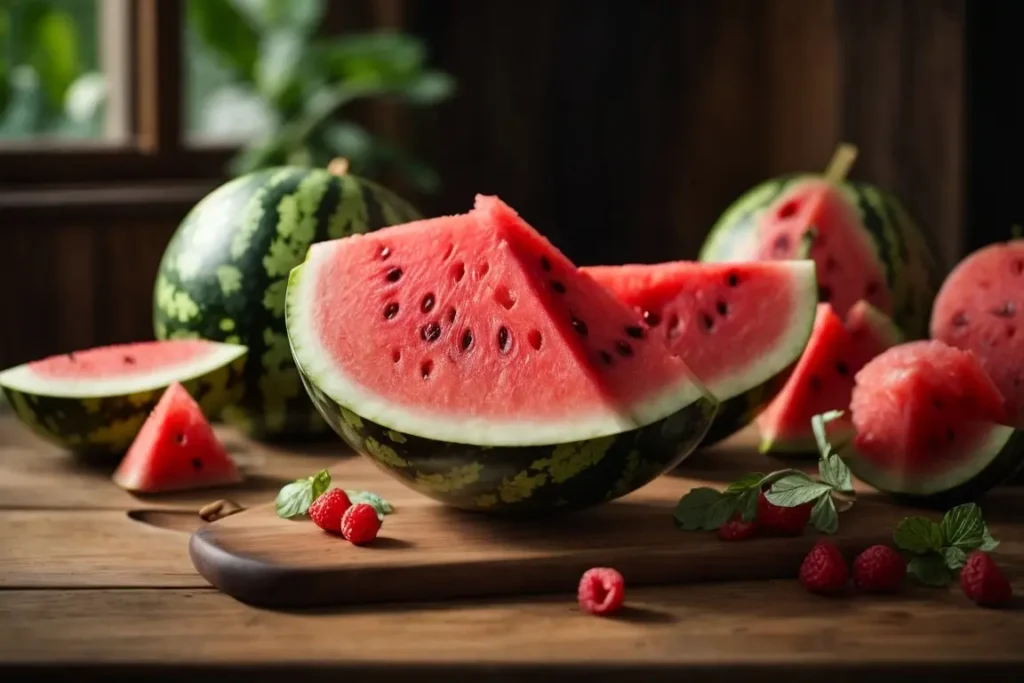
[176,450]
[469,357]
[740,326]
[823,378]
[95,401]
[926,417]
[981,308]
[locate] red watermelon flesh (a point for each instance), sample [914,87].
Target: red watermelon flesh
[736,324]
[176,450]
[980,307]
[848,266]
[482,332]
[824,376]
[920,408]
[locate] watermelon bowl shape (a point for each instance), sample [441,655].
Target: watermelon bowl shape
[929,426]
[470,359]
[740,326]
[95,401]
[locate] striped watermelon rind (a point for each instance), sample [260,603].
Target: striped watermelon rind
[223,277]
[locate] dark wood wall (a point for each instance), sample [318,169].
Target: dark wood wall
[622,129]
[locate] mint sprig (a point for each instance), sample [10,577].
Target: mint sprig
[379,504]
[707,509]
[294,499]
[940,550]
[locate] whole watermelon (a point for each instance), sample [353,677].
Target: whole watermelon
[224,274]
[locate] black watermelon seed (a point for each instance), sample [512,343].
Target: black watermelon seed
[504,340]
[733,280]
[467,340]
[430,332]
[652,319]
[385,252]
[197,464]
[394,275]
[426,367]
[179,437]
[545,264]
[396,355]
[635,332]
[841,368]
[558,286]
[824,293]
[129,360]
[451,315]
[781,244]
[428,303]
[579,326]
[707,321]
[960,319]
[1005,311]
[723,308]
[391,310]
[606,357]
[815,383]
[624,348]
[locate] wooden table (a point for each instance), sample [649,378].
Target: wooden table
[95,580]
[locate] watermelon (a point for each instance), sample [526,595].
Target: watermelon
[981,308]
[224,274]
[469,358]
[864,242]
[823,378]
[95,401]
[176,450]
[740,326]
[927,421]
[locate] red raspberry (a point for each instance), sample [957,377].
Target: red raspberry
[360,524]
[879,569]
[782,521]
[984,582]
[326,511]
[737,530]
[824,569]
[601,591]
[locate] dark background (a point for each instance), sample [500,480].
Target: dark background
[622,129]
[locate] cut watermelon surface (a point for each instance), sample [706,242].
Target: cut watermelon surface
[824,376]
[737,325]
[475,329]
[176,450]
[926,417]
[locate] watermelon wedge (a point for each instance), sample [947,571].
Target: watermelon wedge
[740,326]
[96,400]
[823,378]
[927,421]
[176,450]
[471,359]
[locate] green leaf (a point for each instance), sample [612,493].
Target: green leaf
[918,535]
[818,423]
[746,504]
[55,54]
[747,481]
[227,33]
[295,15]
[294,499]
[955,558]
[835,473]
[281,56]
[963,527]
[430,88]
[695,508]
[378,57]
[824,516]
[379,504]
[930,570]
[794,490]
[988,544]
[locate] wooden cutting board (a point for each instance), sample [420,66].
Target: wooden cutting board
[426,551]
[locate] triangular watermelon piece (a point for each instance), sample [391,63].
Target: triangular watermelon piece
[176,450]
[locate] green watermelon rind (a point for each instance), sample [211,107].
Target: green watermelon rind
[106,425]
[991,463]
[228,284]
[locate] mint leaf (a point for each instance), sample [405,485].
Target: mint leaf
[930,570]
[918,535]
[793,490]
[818,423]
[720,512]
[379,504]
[693,508]
[988,544]
[955,558]
[835,473]
[963,527]
[746,504]
[746,482]
[294,499]
[824,515]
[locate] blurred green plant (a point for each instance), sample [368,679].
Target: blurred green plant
[287,87]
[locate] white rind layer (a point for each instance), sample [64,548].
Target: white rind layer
[317,365]
[24,379]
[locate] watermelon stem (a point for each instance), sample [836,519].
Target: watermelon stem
[339,166]
[842,161]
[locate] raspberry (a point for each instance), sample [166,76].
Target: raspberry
[737,530]
[782,521]
[360,524]
[879,569]
[824,569]
[984,582]
[601,591]
[326,511]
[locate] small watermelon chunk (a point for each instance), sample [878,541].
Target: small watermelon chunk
[176,450]
[927,426]
[980,307]
[823,378]
[740,326]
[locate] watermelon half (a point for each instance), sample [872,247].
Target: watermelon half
[96,400]
[823,378]
[927,419]
[469,358]
[740,326]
